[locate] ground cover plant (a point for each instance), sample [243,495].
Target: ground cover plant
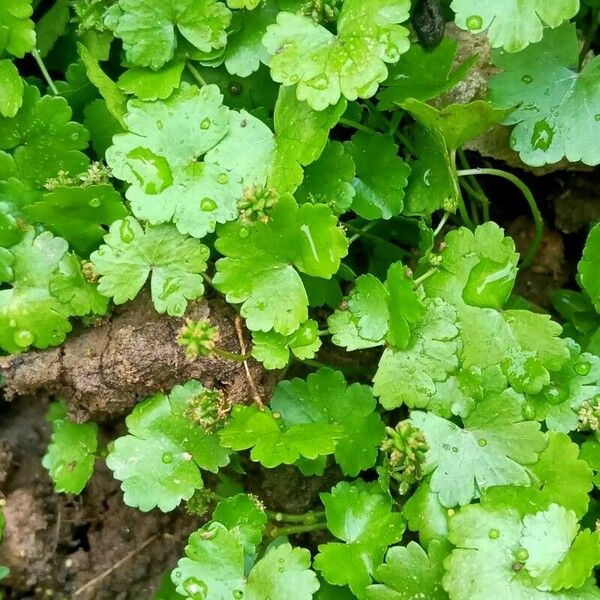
[299,299]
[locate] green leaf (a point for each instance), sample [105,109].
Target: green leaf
[301,136]
[71,455]
[70,286]
[549,93]
[325,398]
[432,182]
[42,138]
[558,476]
[374,312]
[243,512]
[409,572]
[158,157]
[11,89]
[273,349]
[429,358]
[352,63]
[109,90]
[381,176]
[329,179]
[425,514]
[272,442]
[159,461]
[476,276]
[512,24]
[17,35]
[131,254]
[78,214]
[15,196]
[587,266]
[214,567]
[147,84]
[29,314]
[456,123]
[152,30]
[361,516]
[51,26]
[244,52]
[492,449]
[569,390]
[560,556]
[423,74]
[485,562]
[258,259]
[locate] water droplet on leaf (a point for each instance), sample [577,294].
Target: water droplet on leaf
[244,232]
[126,232]
[521,555]
[94,202]
[542,137]
[205,124]
[237,594]
[474,22]
[597,117]
[527,79]
[482,442]
[582,368]
[494,534]
[195,589]
[207,204]
[151,170]
[23,338]
[167,458]
[223,178]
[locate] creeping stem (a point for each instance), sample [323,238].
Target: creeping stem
[535,211]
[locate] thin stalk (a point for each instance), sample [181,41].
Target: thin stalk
[308,518]
[360,231]
[419,280]
[196,74]
[462,209]
[38,59]
[589,38]
[371,236]
[231,355]
[441,224]
[535,211]
[297,529]
[473,188]
[356,125]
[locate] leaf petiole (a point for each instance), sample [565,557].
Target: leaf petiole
[38,59]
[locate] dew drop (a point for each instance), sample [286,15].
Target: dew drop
[521,555]
[223,178]
[195,589]
[582,368]
[450,512]
[167,458]
[494,534]
[159,124]
[597,117]
[126,232]
[527,79]
[205,124]
[474,22]
[244,232]
[482,442]
[528,412]
[74,136]
[276,415]
[454,449]
[235,88]
[208,204]
[237,594]
[24,338]
[94,202]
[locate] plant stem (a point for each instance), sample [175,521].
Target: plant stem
[590,36]
[38,59]
[360,231]
[473,188]
[196,74]
[419,280]
[370,236]
[441,224]
[535,211]
[231,355]
[308,518]
[297,529]
[359,126]
[462,209]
